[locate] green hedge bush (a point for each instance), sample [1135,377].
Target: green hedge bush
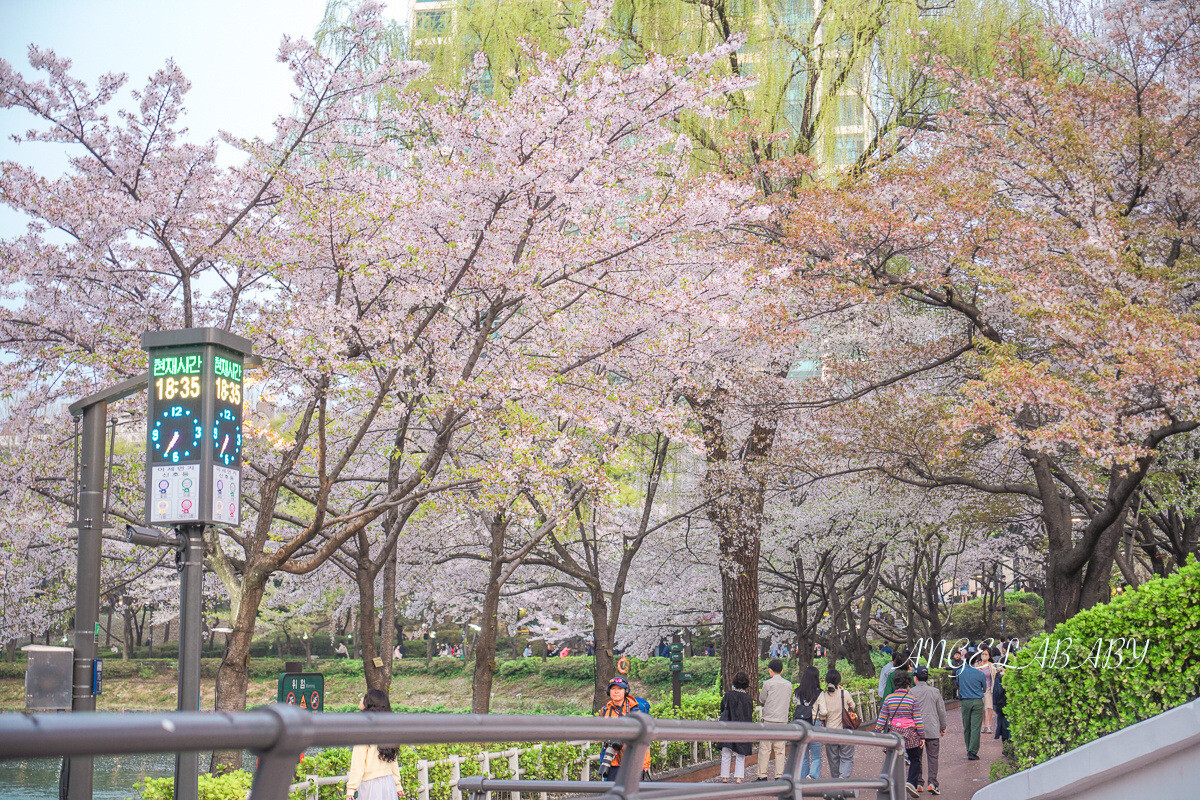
[705,671]
[1062,694]
[520,668]
[571,668]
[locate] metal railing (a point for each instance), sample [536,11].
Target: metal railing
[280,734]
[865,702]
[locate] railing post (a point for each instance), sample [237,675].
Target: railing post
[893,771]
[277,765]
[514,766]
[485,768]
[629,776]
[314,791]
[423,779]
[455,775]
[792,761]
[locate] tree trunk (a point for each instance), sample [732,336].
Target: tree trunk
[739,604]
[388,640]
[233,676]
[602,636]
[485,644]
[375,674]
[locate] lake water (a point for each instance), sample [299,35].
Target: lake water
[113,776]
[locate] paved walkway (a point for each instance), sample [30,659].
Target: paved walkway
[958,778]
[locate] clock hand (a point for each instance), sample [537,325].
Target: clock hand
[224,444]
[171,444]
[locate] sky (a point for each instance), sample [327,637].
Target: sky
[226,48]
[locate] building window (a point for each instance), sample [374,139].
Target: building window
[431,23]
[849,147]
[850,111]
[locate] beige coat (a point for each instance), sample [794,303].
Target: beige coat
[366,764]
[829,707]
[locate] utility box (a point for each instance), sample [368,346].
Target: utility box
[48,674]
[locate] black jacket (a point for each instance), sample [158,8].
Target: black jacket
[736,706]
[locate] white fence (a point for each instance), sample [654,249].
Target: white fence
[867,705]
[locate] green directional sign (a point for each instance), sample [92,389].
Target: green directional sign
[675,657]
[304,689]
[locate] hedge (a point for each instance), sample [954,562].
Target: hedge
[572,668]
[1065,690]
[545,763]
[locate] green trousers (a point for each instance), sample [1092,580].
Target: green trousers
[972,719]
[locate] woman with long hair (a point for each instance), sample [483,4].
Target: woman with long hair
[830,705]
[374,769]
[984,664]
[807,691]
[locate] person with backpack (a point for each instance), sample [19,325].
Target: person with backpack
[736,706]
[807,691]
[832,704]
[620,703]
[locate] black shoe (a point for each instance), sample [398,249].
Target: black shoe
[972,757]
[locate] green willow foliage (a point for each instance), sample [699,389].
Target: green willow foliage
[1065,691]
[823,71]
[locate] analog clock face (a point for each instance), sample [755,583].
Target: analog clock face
[175,435]
[227,438]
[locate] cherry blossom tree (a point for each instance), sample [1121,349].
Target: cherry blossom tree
[1048,223]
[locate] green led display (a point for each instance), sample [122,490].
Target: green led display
[176,365]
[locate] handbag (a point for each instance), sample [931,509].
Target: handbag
[850,720]
[909,735]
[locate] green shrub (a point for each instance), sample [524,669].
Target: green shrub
[408,666]
[445,665]
[966,620]
[1064,690]
[520,668]
[572,668]
[1031,599]
[230,786]
[655,671]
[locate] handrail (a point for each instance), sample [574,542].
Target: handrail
[280,734]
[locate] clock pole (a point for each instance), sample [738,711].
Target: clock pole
[193,476]
[191,581]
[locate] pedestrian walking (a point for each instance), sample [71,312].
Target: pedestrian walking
[999,701]
[899,661]
[736,706]
[933,712]
[985,665]
[971,685]
[374,769]
[807,691]
[776,699]
[829,709]
[901,713]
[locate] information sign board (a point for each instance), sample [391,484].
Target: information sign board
[304,689]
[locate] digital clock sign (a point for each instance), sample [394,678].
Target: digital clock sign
[194,426]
